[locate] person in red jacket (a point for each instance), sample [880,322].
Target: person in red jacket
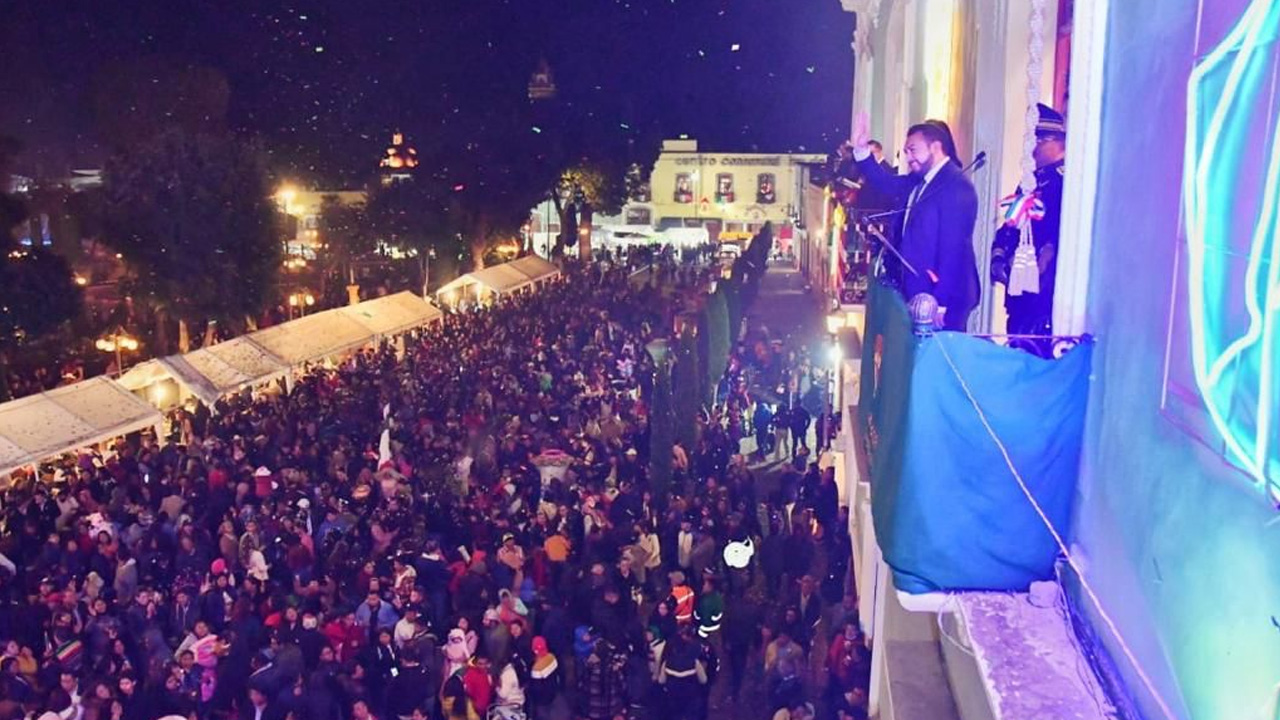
[479,685]
[345,636]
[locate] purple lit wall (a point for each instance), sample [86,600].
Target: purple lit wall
[1178,531]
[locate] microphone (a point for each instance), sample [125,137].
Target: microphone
[979,162]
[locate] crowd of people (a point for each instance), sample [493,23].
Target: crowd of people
[458,528]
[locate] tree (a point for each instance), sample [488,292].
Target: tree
[193,219]
[590,186]
[688,389]
[661,434]
[483,179]
[718,342]
[411,217]
[345,232]
[38,295]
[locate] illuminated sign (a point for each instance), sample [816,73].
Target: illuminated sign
[1230,189]
[743,161]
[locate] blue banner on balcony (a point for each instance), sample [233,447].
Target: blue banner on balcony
[949,513]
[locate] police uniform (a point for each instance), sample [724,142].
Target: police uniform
[1032,313]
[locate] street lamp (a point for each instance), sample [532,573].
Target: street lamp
[300,301]
[117,342]
[286,196]
[427,257]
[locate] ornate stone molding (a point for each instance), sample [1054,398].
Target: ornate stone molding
[864,8]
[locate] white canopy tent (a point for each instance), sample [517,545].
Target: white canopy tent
[313,338]
[269,354]
[209,373]
[538,269]
[38,427]
[498,280]
[392,314]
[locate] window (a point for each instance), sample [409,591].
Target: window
[684,188]
[766,189]
[643,193]
[638,216]
[724,188]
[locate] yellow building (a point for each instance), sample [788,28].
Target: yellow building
[731,194]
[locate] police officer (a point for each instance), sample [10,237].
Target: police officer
[1031,313]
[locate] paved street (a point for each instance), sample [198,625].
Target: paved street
[783,311]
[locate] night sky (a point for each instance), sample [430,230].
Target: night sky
[323,83]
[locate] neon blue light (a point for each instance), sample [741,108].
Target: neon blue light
[1223,362]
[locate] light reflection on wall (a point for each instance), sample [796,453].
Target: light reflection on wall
[939,56]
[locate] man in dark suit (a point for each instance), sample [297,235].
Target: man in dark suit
[938,209]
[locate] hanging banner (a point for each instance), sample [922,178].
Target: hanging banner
[949,514]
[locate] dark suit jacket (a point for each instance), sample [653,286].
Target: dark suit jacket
[938,237]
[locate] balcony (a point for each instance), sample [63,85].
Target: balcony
[955,567]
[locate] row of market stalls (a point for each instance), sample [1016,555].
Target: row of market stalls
[272,354]
[483,286]
[94,411]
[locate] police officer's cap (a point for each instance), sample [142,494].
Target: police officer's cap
[1050,122]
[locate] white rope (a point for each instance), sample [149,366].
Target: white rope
[1057,537]
[1035,69]
[1024,270]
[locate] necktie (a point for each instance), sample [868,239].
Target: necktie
[911,201]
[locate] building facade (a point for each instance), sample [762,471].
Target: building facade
[728,195]
[731,194]
[965,62]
